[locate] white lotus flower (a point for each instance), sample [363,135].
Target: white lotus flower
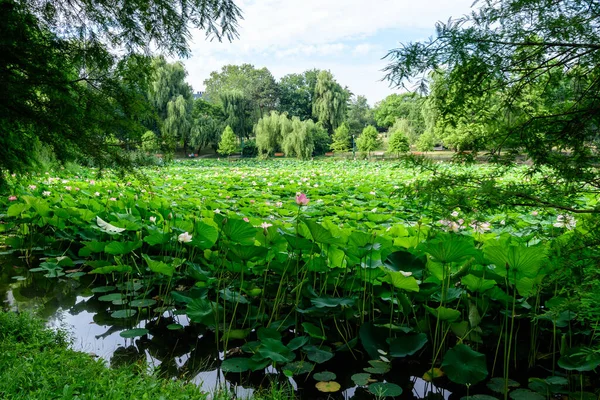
[185,237]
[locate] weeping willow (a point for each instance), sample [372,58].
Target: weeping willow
[270,132]
[330,101]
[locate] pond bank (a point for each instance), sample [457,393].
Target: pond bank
[36,363]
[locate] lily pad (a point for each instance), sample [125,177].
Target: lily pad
[126,313]
[328,387]
[497,385]
[407,345]
[142,303]
[385,389]
[524,394]
[318,355]
[324,376]
[361,379]
[136,332]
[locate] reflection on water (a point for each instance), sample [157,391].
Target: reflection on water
[189,353]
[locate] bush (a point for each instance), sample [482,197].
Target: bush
[321,140]
[250,150]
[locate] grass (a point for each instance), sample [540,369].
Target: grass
[36,363]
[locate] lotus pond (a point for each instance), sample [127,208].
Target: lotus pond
[344,279]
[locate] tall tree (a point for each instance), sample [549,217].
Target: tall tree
[61,85]
[404,106]
[359,115]
[330,101]
[208,123]
[513,47]
[296,93]
[172,98]
[257,85]
[238,113]
[270,132]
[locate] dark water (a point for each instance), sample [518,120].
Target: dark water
[189,353]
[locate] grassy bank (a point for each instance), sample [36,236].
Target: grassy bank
[36,363]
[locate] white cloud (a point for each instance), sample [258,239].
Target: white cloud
[341,35]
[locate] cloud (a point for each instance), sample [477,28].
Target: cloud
[349,37]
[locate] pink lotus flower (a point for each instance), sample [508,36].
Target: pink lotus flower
[12,198]
[246,219]
[32,187]
[301,199]
[265,225]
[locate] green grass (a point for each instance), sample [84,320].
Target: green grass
[36,363]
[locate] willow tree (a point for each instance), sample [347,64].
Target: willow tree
[237,109]
[270,132]
[300,141]
[330,101]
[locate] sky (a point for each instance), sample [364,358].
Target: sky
[347,37]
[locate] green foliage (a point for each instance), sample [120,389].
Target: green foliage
[149,142]
[270,132]
[296,93]
[35,363]
[330,101]
[256,85]
[299,142]
[238,112]
[405,106]
[398,142]
[321,139]
[369,140]
[359,115]
[341,139]
[519,75]
[228,143]
[250,149]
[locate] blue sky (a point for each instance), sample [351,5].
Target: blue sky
[347,37]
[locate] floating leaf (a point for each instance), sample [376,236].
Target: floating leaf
[103,289]
[324,376]
[385,389]
[174,327]
[274,350]
[111,297]
[123,313]
[361,379]
[497,385]
[328,387]
[318,355]
[299,367]
[237,364]
[142,303]
[131,333]
[524,394]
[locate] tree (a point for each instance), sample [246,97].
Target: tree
[172,99]
[63,88]
[238,112]
[208,123]
[228,143]
[299,142]
[369,140]
[519,49]
[330,101]
[405,106]
[270,132]
[341,139]
[398,142]
[359,114]
[296,93]
[257,85]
